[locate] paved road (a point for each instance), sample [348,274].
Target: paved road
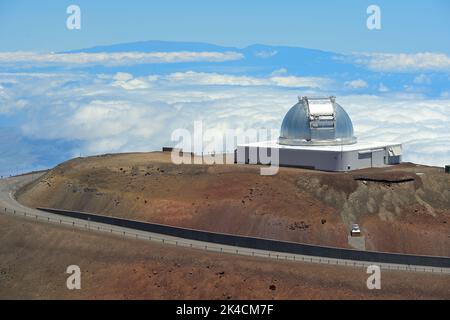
[8,205]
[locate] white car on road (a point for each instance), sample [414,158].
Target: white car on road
[355,231]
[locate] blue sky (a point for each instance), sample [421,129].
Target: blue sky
[56,105]
[340,26]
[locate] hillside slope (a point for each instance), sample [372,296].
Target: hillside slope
[397,209]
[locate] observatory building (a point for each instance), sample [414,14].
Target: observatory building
[317,133]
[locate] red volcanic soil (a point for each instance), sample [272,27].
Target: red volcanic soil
[34,257]
[404,208]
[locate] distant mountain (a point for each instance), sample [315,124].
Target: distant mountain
[156,46]
[258,59]
[261,60]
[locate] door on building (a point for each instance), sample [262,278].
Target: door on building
[378,157]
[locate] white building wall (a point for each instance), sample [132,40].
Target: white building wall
[379,158]
[320,159]
[361,159]
[314,159]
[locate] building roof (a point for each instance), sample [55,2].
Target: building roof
[357,146]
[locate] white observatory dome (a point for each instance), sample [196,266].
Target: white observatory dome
[316,121]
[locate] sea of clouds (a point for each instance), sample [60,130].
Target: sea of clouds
[51,116]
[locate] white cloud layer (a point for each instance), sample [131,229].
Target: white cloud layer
[112,59]
[119,113]
[201,78]
[356,84]
[404,62]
